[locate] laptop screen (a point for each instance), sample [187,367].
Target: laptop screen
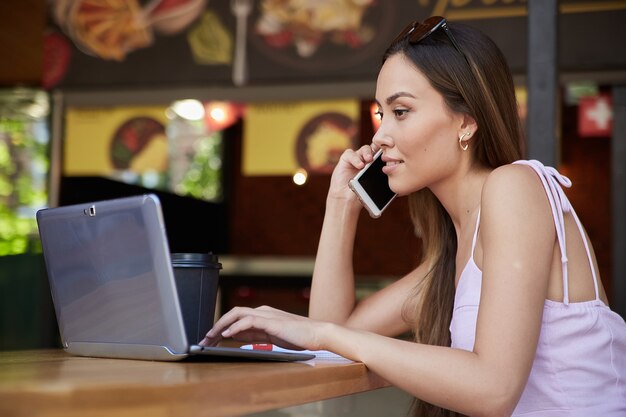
[110,273]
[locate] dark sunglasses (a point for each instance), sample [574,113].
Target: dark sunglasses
[417,31]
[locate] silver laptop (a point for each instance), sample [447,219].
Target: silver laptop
[113,285]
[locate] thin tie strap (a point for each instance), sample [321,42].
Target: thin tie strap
[475,233]
[552,181]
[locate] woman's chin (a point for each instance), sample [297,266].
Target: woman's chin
[402,190]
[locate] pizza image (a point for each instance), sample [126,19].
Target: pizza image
[322,140]
[307,24]
[139,144]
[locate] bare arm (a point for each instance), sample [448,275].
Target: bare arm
[333,290]
[332,287]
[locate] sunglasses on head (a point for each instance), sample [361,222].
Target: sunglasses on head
[417,31]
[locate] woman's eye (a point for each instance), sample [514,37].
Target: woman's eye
[400,112]
[378,114]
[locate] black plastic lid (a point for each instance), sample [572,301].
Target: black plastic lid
[195,260]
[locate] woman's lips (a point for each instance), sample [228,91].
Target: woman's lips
[391,165]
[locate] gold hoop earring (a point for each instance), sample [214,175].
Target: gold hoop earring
[461,145]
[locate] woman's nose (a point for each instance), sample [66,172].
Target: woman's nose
[381,138]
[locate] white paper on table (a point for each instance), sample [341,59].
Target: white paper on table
[319,354]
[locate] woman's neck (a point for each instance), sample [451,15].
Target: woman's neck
[460,195]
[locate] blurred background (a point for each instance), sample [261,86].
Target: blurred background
[234,113]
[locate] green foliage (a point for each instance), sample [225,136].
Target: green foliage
[23,168]
[203,177]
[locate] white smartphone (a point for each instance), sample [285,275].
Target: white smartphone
[371,185]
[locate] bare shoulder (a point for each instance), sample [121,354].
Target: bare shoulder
[514,194]
[516,178]
[511,183]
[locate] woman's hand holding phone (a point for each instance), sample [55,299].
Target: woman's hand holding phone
[350,162]
[371,186]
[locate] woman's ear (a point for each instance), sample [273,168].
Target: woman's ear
[468,125]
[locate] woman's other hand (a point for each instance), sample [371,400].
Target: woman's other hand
[266,325]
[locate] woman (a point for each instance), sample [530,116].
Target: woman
[508,309]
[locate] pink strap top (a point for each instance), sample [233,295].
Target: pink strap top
[580,363]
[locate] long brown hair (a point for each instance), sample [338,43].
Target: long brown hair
[478,84]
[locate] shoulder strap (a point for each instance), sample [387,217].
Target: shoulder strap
[475,233]
[552,181]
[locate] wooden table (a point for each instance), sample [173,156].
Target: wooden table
[51,383]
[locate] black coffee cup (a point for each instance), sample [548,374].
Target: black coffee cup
[197,278]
